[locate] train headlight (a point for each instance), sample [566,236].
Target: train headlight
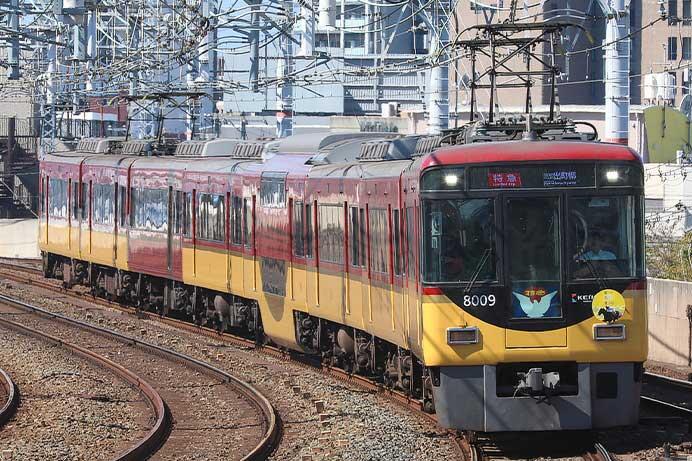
[459,335]
[608,331]
[612,175]
[451,180]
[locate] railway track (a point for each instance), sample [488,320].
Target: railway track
[173,379]
[33,276]
[665,397]
[503,447]
[10,397]
[470,449]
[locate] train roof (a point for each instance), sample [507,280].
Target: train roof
[527,151]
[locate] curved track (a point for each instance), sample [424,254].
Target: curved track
[163,433]
[157,434]
[11,398]
[469,449]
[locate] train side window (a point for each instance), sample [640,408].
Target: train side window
[298,229]
[122,203]
[247,222]
[273,190]
[357,238]
[86,199]
[104,204]
[187,214]
[331,231]
[219,226]
[378,240]
[309,235]
[202,215]
[75,201]
[211,217]
[57,198]
[396,242]
[410,239]
[237,220]
[134,192]
[177,205]
[97,204]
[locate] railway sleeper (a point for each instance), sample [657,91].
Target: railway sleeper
[337,345]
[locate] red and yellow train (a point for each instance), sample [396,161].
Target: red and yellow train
[501,283]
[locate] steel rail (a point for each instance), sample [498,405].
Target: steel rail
[229,338]
[157,435]
[272,434]
[10,406]
[667,380]
[602,453]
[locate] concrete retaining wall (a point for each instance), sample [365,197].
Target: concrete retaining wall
[669,328]
[19,238]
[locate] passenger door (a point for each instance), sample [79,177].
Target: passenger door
[250,259]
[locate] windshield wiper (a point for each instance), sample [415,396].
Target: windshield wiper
[595,272]
[477,270]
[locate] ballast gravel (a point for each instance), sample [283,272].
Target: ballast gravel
[355,425]
[69,408]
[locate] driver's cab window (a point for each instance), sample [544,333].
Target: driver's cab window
[601,237]
[460,241]
[533,238]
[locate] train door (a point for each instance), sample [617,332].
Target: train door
[44,207]
[69,214]
[311,262]
[399,308]
[116,210]
[532,249]
[356,259]
[297,218]
[169,230]
[249,241]
[235,260]
[85,220]
[193,231]
[73,224]
[411,286]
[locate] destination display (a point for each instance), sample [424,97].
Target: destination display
[532,177]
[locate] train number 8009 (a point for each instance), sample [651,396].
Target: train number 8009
[479,300]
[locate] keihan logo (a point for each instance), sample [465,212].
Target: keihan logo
[581,298]
[535,302]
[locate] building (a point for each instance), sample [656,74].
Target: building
[348,65]
[661,47]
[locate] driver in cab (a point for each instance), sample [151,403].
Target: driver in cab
[595,260]
[596,249]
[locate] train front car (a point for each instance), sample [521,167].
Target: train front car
[534,307]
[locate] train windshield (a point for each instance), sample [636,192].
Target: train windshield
[460,243]
[602,237]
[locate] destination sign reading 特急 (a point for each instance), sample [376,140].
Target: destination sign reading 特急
[532,177]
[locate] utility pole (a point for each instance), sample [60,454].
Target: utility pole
[254,45]
[284,76]
[438,99]
[617,70]
[13,41]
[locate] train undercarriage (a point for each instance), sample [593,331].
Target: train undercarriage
[335,345]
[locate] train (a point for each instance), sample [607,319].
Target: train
[500,283]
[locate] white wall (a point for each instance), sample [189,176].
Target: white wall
[19,238]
